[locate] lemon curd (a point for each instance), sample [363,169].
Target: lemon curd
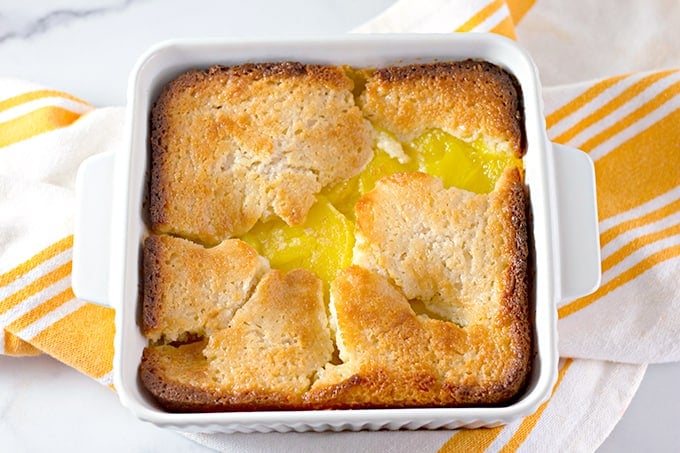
[345,194]
[469,166]
[323,243]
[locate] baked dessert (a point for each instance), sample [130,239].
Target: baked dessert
[190,291]
[330,237]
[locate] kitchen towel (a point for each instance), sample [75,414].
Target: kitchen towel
[627,123]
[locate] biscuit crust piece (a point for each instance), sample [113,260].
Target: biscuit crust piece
[232,145]
[468,99]
[190,290]
[265,358]
[393,357]
[281,338]
[447,248]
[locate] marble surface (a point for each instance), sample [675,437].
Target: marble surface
[87,48]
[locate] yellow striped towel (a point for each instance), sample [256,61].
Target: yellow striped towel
[44,136]
[628,124]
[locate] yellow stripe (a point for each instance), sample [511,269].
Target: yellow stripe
[35,261]
[631,118]
[481,16]
[628,225]
[506,28]
[637,244]
[36,122]
[41,310]
[579,101]
[82,339]
[33,95]
[35,287]
[519,8]
[628,178]
[620,280]
[15,346]
[611,106]
[529,422]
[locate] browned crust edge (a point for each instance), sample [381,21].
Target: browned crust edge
[151,281]
[177,397]
[517,288]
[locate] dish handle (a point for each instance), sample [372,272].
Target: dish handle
[92,229]
[579,252]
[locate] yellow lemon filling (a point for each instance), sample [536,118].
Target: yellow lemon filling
[323,243]
[469,166]
[345,194]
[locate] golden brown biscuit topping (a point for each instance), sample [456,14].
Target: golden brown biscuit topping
[397,191]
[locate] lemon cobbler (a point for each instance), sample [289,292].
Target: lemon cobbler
[327,237]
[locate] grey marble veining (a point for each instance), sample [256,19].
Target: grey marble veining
[27,19]
[88,48]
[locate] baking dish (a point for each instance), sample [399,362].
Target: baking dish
[110,223]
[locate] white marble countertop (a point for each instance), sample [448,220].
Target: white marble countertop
[87,48]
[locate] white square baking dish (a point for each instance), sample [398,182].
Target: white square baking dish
[110,223]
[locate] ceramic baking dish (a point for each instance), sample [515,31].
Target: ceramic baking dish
[110,223]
